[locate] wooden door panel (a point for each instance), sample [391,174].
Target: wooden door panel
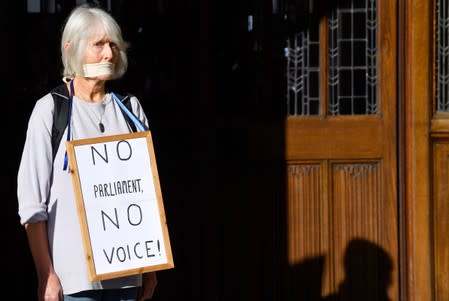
[333,205]
[361,215]
[441,219]
[308,213]
[342,186]
[335,137]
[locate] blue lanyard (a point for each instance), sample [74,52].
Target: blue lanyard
[139,126]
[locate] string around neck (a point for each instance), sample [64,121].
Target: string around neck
[69,115]
[139,125]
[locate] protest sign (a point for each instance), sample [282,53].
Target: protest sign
[120,206]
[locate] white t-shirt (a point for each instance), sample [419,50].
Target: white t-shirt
[45,190]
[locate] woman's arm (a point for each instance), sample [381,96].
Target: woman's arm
[149,283]
[49,287]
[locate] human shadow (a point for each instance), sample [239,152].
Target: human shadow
[304,282]
[367,270]
[367,275]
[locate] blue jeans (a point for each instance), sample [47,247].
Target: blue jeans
[126,294]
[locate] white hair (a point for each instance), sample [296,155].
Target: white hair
[83,23]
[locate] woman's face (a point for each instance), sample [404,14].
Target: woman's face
[100,49]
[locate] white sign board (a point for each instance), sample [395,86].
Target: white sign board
[120,205]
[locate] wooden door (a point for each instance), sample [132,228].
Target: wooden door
[341,152]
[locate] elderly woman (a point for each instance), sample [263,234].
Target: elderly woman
[93,52]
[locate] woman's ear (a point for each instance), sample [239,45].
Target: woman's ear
[66,46]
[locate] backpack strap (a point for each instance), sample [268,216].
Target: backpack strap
[60,115]
[61,110]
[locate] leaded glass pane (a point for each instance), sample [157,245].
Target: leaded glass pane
[352,77]
[352,54]
[442,60]
[302,57]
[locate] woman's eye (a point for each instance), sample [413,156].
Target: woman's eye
[100,45]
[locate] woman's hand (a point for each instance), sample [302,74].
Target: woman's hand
[50,289]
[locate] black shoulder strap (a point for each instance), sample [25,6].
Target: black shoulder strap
[61,107]
[60,115]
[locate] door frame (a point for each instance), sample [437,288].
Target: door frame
[415,92]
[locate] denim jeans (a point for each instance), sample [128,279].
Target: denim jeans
[126,294]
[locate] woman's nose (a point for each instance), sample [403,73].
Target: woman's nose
[108,51]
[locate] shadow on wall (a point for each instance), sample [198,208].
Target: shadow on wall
[367,275]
